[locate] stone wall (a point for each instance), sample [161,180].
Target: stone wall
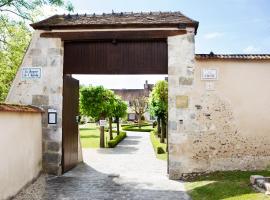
[181,53]
[45,92]
[216,125]
[232,116]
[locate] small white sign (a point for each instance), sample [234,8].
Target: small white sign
[52,116]
[31,73]
[209,74]
[102,122]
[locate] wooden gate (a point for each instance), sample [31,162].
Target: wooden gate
[70,125]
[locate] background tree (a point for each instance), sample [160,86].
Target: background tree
[154,111]
[96,102]
[159,105]
[120,111]
[15,34]
[24,9]
[139,106]
[14,39]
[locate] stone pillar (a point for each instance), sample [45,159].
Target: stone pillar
[181,55]
[45,92]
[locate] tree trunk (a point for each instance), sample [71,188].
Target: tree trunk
[163,130]
[118,130]
[102,139]
[139,120]
[110,128]
[158,126]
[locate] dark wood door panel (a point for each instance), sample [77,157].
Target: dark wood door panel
[116,57]
[69,123]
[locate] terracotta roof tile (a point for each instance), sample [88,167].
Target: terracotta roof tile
[19,108]
[233,56]
[150,19]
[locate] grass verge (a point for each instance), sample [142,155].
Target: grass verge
[156,144]
[233,185]
[137,129]
[90,135]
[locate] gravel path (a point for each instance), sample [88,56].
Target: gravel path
[129,171]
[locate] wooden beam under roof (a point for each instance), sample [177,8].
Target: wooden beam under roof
[118,35]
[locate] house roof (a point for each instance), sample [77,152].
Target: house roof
[131,94]
[118,20]
[19,108]
[233,56]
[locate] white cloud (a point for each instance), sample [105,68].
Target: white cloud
[251,49]
[213,35]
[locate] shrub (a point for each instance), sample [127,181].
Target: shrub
[113,143]
[137,129]
[160,150]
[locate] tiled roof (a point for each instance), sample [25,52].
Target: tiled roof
[19,108]
[149,19]
[233,56]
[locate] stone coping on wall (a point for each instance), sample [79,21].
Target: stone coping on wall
[5,107]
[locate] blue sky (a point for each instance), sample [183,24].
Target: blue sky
[226,26]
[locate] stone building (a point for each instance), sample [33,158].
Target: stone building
[219,105]
[128,95]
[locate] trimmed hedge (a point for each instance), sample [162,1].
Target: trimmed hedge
[160,150]
[135,125]
[113,143]
[137,129]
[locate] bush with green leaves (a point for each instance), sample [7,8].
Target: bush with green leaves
[113,143]
[160,150]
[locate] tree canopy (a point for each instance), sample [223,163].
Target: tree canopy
[24,8]
[158,101]
[159,105]
[15,34]
[97,102]
[120,108]
[14,39]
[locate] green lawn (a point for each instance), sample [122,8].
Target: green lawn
[225,185]
[147,128]
[155,142]
[90,135]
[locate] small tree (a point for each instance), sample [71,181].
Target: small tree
[96,102]
[159,105]
[139,106]
[120,110]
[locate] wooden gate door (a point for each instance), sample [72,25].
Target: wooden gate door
[70,124]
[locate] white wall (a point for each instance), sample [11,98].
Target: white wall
[21,150]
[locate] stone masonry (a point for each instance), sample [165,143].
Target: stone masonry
[45,93]
[181,51]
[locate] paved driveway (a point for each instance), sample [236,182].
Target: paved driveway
[129,171]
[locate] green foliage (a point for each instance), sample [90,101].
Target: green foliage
[97,102]
[135,125]
[15,35]
[24,9]
[157,145]
[116,140]
[137,129]
[158,101]
[14,39]
[119,108]
[233,185]
[160,150]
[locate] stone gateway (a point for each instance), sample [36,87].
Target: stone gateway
[217,123]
